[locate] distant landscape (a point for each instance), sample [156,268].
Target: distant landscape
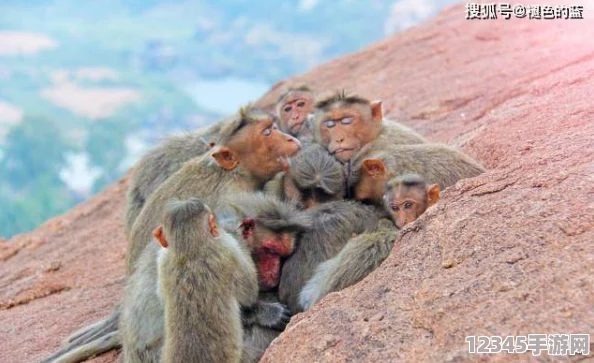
[87,87]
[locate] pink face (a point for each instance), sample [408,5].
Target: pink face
[294,111]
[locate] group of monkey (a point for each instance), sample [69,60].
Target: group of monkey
[258,217]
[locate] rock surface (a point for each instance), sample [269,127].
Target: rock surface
[506,253]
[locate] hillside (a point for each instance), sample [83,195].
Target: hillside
[506,253]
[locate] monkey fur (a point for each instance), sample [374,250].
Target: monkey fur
[334,224]
[204,277]
[437,163]
[313,177]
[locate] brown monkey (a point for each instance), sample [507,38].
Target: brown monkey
[204,278]
[252,150]
[407,197]
[334,224]
[313,177]
[161,162]
[437,163]
[359,257]
[294,108]
[350,125]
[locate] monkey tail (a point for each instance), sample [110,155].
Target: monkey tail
[89,341]
[91,349]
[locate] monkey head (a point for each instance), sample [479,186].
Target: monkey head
[293,108]
[269,228]
[407,197]
[344,124]
[182,222]
[314,177]
[254,141]
[371,183]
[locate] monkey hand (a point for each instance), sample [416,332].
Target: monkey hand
[267,314]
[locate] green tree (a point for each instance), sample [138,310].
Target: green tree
[31,189]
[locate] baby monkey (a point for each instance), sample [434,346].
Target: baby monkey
[204,278]
[407,197]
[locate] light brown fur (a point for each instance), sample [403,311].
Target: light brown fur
[437,163]
[359,257]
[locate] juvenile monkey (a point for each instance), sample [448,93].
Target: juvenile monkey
[202,319]
[252,150]
[334,224]
[407,197]
[161,162]
[294,108]
[313,177]
[351,125]
[437,163]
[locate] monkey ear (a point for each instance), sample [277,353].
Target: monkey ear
[212,226]
[374,167]
[160,236]
[433,194]
[377,114]
[226,158]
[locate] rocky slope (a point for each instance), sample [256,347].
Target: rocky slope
[506,253]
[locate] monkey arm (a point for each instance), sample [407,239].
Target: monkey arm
[358,258]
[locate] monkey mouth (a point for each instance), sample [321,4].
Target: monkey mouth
[343,154]
[296,127]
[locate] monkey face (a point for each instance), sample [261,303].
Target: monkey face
[344,130]
[405,203]
[264,149]
[274,246]
[405,211]
[293,112]
[268,247]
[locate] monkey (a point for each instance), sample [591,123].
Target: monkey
[437,163]
[161,162]
[313,177]
[334,223]
[406,198]
[202,320]
[294,108]
[251,151]
[349,125]
[268,227]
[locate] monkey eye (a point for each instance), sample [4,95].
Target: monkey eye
[347,120]
[395,208]
[329,123]
[300,103]
[407,205]
[287,109]
[267,131]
